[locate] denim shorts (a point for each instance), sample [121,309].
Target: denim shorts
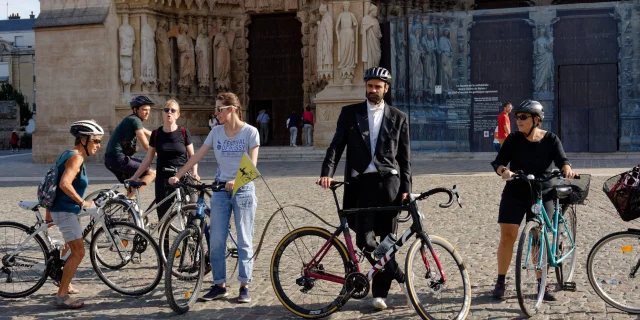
[69,225]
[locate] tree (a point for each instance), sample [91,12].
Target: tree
[9,93]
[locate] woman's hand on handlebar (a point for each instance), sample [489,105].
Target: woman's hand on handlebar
[173,180]
[325,182]
[507,174]
[568,173]
[229,185]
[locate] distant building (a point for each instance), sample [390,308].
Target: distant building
[17,55]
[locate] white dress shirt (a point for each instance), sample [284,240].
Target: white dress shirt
[376,114]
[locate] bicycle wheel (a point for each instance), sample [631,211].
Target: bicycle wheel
[432,295]
[117,210]
[185,270]
[566,227]
[91,196]
[26,271]
[610,268]
[531,269]
[131,265]
[172,227]
[305,296]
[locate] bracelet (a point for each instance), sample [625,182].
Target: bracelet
[82,204]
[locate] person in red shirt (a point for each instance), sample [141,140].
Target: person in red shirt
[307,120]
[504,124]
[14,141]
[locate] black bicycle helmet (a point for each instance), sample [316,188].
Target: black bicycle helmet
[140,101]
[530,106]
[377,73]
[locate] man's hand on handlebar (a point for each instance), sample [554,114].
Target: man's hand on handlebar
[405,196]
[325,182]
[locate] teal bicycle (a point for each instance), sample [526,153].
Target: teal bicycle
[547,240]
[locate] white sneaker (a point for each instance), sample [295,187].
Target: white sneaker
[403,288]
[379,303]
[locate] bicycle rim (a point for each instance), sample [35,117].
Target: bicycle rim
[531,269]
[609,266]
[26,272]
[433,296]
[565,269]
[134,252]
[172,228]
[304,296]
[117,210]
[185,271]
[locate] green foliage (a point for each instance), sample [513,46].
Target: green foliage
[8,93]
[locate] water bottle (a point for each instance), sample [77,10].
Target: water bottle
[200,208]
[384,246]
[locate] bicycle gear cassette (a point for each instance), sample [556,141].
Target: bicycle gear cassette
[358,284]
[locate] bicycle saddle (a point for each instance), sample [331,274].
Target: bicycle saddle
[563,191]
[28,205]
[137,184]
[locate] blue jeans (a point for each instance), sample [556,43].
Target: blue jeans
[243,205]
[497,147]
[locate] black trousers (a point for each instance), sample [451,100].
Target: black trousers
[377,191]
[163,189]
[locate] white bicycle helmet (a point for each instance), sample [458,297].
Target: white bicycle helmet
[86,128]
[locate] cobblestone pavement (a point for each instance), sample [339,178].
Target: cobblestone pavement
[472,230]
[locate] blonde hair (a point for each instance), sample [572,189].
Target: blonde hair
[170,103]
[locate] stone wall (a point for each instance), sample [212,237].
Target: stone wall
[9,121]
[77,79]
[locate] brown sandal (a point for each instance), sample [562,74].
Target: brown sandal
[61,304]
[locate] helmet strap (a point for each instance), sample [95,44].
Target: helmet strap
[535,125]
[84,145]
[135,111]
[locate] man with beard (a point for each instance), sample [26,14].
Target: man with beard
[378,170]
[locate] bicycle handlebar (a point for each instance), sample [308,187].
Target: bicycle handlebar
[519,175]
[215,187]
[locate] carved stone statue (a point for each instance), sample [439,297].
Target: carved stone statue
[164,57]
[263,5]
[371,35]
[401,47]
[415,62]
[325,44]
[148,69]
[430,47]
[544,64]
[222,44]
[347,42]
[187,59]
[127,39]
[202,59]
[313,38]
[291,4]
[446,60]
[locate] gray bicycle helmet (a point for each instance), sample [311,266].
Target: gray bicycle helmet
[377,73]
[530,106]
[140,101]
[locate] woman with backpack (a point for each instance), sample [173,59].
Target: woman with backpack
[68,201]
[173,145]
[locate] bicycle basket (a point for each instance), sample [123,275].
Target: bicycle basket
[580,189]
[624,196]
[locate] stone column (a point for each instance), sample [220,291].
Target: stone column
[339,93]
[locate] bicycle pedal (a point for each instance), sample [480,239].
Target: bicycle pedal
[569,286]
[234,253]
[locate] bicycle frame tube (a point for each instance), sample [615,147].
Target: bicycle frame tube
[41,229]
[178,201]
[553,227]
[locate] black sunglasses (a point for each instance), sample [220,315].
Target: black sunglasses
[523,117]
[96,141]
[169,110]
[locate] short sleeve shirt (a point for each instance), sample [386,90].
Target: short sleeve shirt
[229,150]
[503,120]
[171,147]
[124,136]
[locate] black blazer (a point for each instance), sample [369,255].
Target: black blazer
[392,151]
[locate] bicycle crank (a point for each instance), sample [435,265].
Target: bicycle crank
[357,284]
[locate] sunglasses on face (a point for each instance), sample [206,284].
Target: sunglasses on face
[523,117]
[96,141]
[170,110]
[219,109]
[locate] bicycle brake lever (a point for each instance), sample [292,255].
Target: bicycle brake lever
[455,192]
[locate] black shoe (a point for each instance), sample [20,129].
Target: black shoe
[548,296]
[498,291]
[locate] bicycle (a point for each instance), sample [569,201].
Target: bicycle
[32,256]
[168,226]
[560,253]
[616,284]
[313,278]
[188,260]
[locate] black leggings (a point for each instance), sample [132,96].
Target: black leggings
[163,189]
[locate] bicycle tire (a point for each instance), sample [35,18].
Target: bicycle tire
[41,279]
[427,309]
[168,228]
[565,269]
[622,267]
[117,210]
[276,272]
[523,253]
[197,266]
[134,239]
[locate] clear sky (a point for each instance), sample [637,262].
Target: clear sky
[23,7]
